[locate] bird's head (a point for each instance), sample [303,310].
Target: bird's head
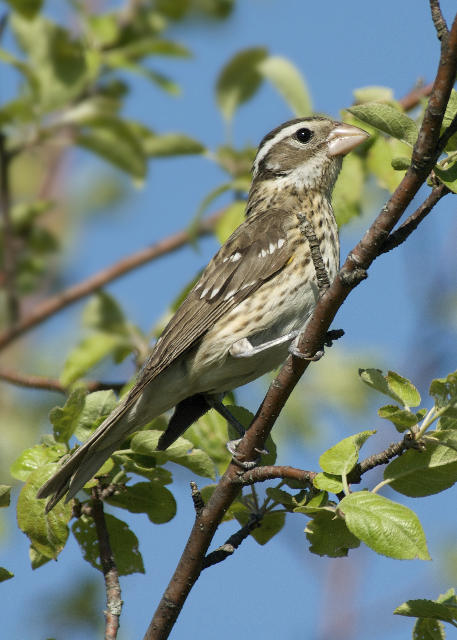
[305,154]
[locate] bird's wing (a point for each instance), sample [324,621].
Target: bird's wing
[253,253]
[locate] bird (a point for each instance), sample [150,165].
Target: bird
[248,307]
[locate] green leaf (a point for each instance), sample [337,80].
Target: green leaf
[57,59]
[64,419]
[282,497]
[34,458]
[328,482]
[270,525]
[388,120]
[153,499]
[424,473]
[451,111]
[25,107]
[444,392]
[103,313]
[347,194]
[380,155]
[448,176]
[446,423]
[428,629]
[342,457]
[87,353]
[47,533]
[123,542]
[141,47]
[37,559]
[239,80]
[97,405]
[424,609]
[172,144]
[373,94]
[26,8]
[181,452]
[5,574]
[232,218]
[393,385]
[401,419]
[387,527]
[115,141]
[5,497]
[400,163]
[329,535]
[289,83]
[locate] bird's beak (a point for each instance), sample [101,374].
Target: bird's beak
[344,138]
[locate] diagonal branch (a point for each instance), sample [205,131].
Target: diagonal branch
[423,159]
[62,300]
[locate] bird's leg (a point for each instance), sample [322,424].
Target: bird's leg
[330,336]
[244,349]
[216,404]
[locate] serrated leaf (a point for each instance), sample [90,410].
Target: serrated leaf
[328,482]
[239,80]
[387,527]
[270,525]
[47,533]
[424,473]
[444,392]
[428,629]
[64,419]
[172,144]
[342,457]
[289,83]
[388,120]
[445,423]
[374,379]
[114,140]
[87,353]
[424,609]
[153,499]
[5,574]
[404,389]
[373,94]
[37,559]
[282,497]
[34,458]
[97,405]
[123,542]
[447,176]
[401,419]
[329,536]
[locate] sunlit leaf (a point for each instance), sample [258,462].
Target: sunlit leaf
[289,82]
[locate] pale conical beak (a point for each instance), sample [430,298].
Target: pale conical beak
[345,138]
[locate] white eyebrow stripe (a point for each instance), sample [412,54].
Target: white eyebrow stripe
[284,133]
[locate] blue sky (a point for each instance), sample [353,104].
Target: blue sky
[280,590]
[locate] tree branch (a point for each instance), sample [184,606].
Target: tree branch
[62,300]
[51,384]
[412,99]
[423,159]
[113,589]
[438,20]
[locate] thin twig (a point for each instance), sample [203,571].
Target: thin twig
[404,231]
[62,300]
[413,98]
[9,253]
[113,589]
[52,384]
[227,549]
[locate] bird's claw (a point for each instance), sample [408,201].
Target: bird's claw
[295,352]
[247,466]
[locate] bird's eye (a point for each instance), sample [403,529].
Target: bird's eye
[304,135]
